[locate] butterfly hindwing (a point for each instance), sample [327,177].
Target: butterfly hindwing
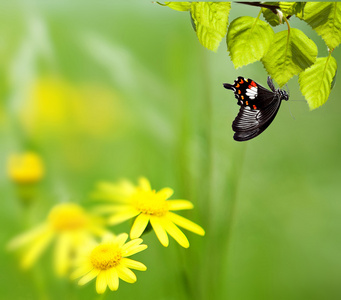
[248,124]
[242,136]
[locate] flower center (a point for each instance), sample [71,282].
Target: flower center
[67,216]
[150,203]
[105,256]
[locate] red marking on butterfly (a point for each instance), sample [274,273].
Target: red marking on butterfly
[252,84]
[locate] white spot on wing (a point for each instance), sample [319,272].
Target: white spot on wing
[252,93]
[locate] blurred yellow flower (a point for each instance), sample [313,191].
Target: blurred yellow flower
[25,168]
[108,262]
[53,103]
[71,228]
[147,205]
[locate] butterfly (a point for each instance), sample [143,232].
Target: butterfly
[258,107]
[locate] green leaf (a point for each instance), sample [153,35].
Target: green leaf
[286,8]
[325,19]
[210,20]
[179,6]
[248,39]
[291,8]
[270,17]
[334,80]
[289,54]
[300,9]
[316,82]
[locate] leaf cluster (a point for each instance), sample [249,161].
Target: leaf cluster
[283,54]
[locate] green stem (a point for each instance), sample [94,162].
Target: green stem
[102,296]
[185,276]
[260,12]
[226,247]
[286,21]
[40,282]
[233,205]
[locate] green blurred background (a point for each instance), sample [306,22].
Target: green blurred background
[105,89]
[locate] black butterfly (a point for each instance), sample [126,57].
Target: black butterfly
[258,107]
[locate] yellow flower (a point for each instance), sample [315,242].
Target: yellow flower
[147,205]
[71,228]
[53,102]
[108,262]
[25,168]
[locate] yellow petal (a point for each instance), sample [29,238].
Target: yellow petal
[108,237]
[133,264]
[125,274]
[101,282]
[121,239]
[139,226]
[91,275]
[144,184]
[175,232]
[37,247]
[185,223]
[136,250]
[109,209]
[159,231]
[117,192]
[84,250]
[62,254]
[133,247]
[81,271]
[165,193]
[179,204]
[131,244]
[123,216]
[26,237]
[112,279]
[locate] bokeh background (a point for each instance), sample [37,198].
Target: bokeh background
[103,90]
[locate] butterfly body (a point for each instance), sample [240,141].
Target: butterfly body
[258,107]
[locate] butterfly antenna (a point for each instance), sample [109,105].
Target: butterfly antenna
[291,112]
[287,90]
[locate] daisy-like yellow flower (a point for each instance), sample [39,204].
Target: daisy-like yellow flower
[69,226]
[108,262]
[147,205]
[25,168]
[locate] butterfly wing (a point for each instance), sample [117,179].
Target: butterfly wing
[250,93]
[258,107]
[251,123]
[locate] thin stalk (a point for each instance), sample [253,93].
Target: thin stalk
[286,21]
[206,184]
[234,194]
[228,230]
[103,296]
[190,276]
